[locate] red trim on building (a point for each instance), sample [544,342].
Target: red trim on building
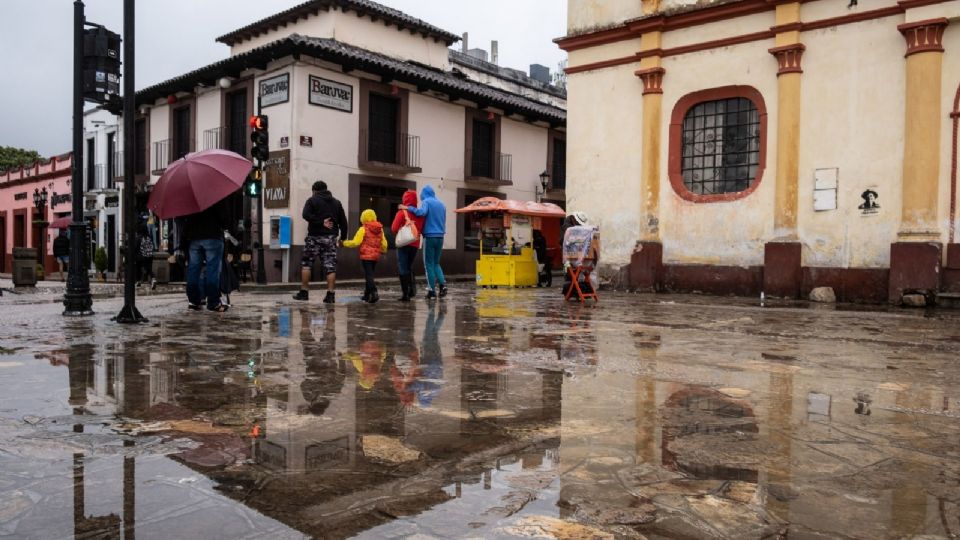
[788,58]
[652,80]
[924,36]
[675,155]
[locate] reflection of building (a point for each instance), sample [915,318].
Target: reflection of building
[372,101]
[755,126]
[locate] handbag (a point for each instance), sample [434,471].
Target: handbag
[407,234]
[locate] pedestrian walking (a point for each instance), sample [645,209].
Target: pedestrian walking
[145,250]
[61,250]
[372,243]
[202,234]
[326,231]
[407,255]
[434,228]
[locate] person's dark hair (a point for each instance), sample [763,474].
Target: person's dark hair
[319,185]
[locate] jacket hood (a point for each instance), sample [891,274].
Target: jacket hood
[428,193]
[410,198]
[325,194]
[368,216]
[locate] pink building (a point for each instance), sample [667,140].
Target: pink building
[18,213]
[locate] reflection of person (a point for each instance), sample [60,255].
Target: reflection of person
[326,221]
[430,377]
[61,250]
[202,234]
[406,255]
[869,200]
[434,228]
[372,243]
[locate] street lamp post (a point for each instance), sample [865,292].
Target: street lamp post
[544,182]
[40,203]
[77,301]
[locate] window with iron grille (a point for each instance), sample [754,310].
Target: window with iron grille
[721,146]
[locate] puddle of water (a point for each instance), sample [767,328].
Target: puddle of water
[499,415]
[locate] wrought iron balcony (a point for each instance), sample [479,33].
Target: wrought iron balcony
[489,167]
[389,151]
[161,156]
[215,138]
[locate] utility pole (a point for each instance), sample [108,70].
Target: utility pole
[77,301]
[129,313]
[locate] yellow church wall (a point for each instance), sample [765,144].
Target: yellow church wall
[603,165]
[852,120]
[721,233]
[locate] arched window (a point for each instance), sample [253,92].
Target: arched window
[717,144]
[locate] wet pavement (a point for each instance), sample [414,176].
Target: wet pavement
[493,414]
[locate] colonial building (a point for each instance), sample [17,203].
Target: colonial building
[373,102]
[743,146]
[103,182]
[21,222]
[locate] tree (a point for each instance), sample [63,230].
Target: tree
[11,158]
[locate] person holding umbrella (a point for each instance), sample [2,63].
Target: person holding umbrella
[193,189]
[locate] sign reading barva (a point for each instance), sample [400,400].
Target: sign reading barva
[275,90]
[331,94]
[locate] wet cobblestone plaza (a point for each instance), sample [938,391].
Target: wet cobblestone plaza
[492,414]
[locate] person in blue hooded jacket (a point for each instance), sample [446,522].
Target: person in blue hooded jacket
[434,228]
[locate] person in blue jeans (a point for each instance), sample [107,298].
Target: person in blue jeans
[202,234]
[434,228]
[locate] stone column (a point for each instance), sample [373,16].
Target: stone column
[915,258]
[782,257]
[646,264]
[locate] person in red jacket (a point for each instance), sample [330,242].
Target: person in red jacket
[372,243]
[406,255]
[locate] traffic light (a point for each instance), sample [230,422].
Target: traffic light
[254,184]
[101,66]
[260,138]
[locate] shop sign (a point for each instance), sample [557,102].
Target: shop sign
[306,140]
[20,196]
[62,198]
[284,141]
[112,202]
[331,94]
[276,192]
[275,90]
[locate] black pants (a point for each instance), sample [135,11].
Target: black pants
[369,267]
[146,268]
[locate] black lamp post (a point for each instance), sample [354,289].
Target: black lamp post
[544,182]
[40,203]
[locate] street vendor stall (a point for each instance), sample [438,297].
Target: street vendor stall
[509,234]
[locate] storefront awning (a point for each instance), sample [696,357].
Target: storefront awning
[525,208]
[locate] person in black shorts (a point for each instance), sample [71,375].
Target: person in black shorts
[326,231]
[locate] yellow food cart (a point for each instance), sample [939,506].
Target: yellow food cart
[507,255]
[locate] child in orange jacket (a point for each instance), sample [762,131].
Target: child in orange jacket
[372,243]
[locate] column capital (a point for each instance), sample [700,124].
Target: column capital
[789,57]
[924,36]
[652,79]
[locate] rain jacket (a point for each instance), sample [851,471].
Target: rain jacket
[369,238]
[409,199]
[434,211]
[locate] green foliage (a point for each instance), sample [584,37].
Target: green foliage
[11,158]
[100,259]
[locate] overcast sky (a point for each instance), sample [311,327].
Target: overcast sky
[176,36]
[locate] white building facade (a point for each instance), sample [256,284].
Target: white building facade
[371,101]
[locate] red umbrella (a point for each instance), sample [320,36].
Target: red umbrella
[61,223]
[197,182]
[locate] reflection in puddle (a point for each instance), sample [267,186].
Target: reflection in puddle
[500,415]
